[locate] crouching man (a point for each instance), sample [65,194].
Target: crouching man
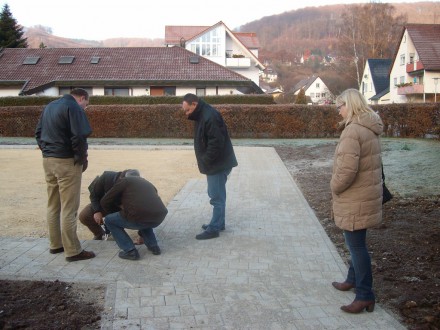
[133,203]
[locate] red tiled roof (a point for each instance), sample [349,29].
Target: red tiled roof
[249,39]
[129,65]
[426,39]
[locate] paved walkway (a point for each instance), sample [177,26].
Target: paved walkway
[270,269]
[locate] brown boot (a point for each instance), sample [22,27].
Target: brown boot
[344,286]
[358,306]
[81,256]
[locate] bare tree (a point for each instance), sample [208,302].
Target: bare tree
[369,31]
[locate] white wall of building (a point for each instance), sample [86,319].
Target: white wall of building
[367,87]
[398,73]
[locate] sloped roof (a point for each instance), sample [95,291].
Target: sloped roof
[379,68]
[249,39]
[131,65]
[382,93]
[426,39]
[174,34]
[305,83]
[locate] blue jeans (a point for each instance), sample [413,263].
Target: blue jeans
[359,272]
[217,194]
[116,224]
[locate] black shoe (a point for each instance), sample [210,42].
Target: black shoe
[204,227]
[55,251]
[130,255]
[154,249]
[207,235]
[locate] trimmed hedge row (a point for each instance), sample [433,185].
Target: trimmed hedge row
[13,101]
[244,121]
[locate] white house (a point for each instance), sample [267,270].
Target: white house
[237,51]
[415,71]
[316,89]
[376,81]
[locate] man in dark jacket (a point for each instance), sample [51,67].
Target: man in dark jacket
[93,214]
[215,157]
[61,135]
[133,203]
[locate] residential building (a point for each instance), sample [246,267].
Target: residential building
[316,89]
[127,71]
[269,74]
[237,51]
[415,71]
[375,82]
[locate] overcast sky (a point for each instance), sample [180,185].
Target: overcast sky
[104,19]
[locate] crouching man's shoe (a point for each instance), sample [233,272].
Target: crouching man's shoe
[154,249]
[207,235]
[84,255]
[129,255]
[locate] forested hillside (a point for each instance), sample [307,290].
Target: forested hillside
[331,33]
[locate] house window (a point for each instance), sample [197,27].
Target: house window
[402,59]
[117,91]
[395,81]
[200,91]
[312,94]
[208,44]
[402,79]
[322,94]
[169,91]
[317,85]
[411,58]
[67,90]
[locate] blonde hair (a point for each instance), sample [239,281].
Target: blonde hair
[355,104]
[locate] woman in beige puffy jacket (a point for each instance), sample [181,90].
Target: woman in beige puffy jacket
[356,187]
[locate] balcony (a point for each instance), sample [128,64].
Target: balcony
[413,89]
[416,66]
[238,62]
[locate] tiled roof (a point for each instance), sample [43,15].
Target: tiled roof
[426,39]
[116,65]
[379,68]
[249,39]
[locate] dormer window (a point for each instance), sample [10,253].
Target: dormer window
[31,60]
[66,59]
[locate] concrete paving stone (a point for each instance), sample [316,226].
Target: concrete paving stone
[271,268]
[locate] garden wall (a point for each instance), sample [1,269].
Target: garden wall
[243,120]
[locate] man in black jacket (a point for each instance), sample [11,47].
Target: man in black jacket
[133,203]
[215,157]
[61,135]
[92,215]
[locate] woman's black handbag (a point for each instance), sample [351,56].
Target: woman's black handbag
[387,196]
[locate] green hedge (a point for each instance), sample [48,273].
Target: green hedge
[244,121]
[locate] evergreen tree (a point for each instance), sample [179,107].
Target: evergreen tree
[11,34]
[301,97]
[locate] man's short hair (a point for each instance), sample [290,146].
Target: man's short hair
[190,98]
[80,92]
